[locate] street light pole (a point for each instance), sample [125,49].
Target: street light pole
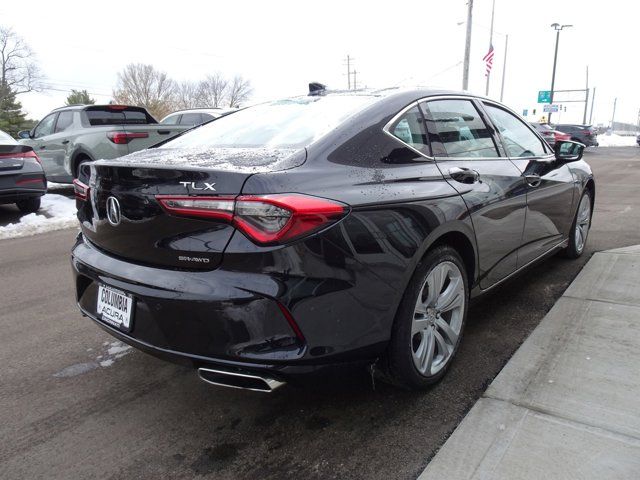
[467,47]
[558,28]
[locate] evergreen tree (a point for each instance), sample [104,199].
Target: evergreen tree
[12,119]
[79,97]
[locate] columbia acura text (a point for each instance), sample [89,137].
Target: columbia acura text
[319,231]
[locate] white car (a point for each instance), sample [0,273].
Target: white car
[195,116]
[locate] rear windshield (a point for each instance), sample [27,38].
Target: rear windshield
[127,116]
[291,123]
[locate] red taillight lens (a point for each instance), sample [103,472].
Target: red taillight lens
[80,190]
[25,155]
[122,138]
[205,207]
[265,219]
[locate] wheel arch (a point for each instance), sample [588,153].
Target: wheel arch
[591,187]
[79,155]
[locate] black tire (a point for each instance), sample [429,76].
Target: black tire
[30,205]
[399,365]
[79,162]
[574,250]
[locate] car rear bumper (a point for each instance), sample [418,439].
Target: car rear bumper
[216,319]
[13,195]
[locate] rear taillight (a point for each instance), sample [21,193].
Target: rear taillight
[80,190]
[122,138]
[265,219]
[30,155]
[587,133]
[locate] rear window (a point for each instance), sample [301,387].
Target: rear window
[291,123]
[105,116]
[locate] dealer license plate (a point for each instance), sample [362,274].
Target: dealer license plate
[115,307]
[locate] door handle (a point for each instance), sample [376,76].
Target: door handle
[64,142]
[533,180]
[464,175]
[164,132]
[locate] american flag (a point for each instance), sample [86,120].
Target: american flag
[488,60]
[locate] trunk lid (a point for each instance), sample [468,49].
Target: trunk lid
[146,233]
[12,158]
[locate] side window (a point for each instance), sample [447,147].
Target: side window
[460,128]
[206,117]
[45,127]
[191,119]
[171,120]
[65,121]
[410,129]
[519,140]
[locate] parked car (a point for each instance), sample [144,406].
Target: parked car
[638,140]
[316,232]
[549,134]
[22,179]
[70,136]
[585,134]
[195,116]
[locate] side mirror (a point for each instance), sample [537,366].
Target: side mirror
[568,151]
[24,134]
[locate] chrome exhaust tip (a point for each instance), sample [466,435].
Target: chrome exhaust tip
[244,381]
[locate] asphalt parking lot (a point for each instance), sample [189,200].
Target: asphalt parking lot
[76,404]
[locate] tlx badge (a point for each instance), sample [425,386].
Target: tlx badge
[193,186]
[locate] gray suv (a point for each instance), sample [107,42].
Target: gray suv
[70,136]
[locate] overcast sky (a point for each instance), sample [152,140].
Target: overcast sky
[282,45]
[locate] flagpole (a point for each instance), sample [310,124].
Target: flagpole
[493,11]
[504,65]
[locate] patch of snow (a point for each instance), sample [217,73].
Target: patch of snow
[614,140]
[241,160]
[77,369]
[115,350]
[58,186]
[56,212]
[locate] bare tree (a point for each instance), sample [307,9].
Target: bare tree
[239,91]
[143,85]
[187,95]
[213,90]
[18,68]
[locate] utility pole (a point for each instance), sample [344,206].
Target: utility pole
[349,72]
[558,28]
[355,87]
[493,11]
[593,100]
[504,66]
[467,47]
[586,101]
[613,115]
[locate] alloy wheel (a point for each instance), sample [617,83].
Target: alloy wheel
[583,221]
[437,319]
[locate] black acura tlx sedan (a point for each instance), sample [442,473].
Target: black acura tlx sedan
[314,232]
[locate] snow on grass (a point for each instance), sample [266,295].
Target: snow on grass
[56,212]
[614,140]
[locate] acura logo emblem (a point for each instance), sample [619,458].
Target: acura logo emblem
[113,211]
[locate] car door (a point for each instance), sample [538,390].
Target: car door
[58,142]
[492,187]
[549,184]
[39,142]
